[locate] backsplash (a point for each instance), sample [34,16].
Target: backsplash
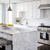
[37,22]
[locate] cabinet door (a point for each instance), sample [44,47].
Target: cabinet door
[25,6]
[38,10]
[1,35]
[30,9]
[34,9]
[19,8]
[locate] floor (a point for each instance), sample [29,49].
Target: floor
[44,47]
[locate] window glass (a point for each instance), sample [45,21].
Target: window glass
[0,13]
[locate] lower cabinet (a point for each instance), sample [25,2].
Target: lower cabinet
[6,36]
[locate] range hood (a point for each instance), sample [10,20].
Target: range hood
[44,6]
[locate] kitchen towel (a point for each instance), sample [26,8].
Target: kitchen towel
[44,35]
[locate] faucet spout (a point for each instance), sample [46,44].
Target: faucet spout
[26,20]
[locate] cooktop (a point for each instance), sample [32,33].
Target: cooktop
[45,26]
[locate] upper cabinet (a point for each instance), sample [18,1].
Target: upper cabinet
[30,7]
[36,11]
[25,6]
[19,7]
[33,10]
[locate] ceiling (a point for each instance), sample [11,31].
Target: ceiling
[15,1]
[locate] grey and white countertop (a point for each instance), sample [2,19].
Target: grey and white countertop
[18,29]
[22,37]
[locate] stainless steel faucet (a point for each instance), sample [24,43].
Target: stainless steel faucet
[26,20]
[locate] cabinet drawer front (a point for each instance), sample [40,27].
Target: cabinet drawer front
[9,37]
[1,34]
[6,36]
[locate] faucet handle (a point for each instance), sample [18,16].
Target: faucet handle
[26,22]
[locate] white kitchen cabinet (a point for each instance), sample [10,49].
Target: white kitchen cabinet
[6,36]
[9,37]
[1,34]
[19,8]
[30,9]
[25,6]
[36,11]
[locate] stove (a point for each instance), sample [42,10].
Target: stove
[44,35]
[44,28]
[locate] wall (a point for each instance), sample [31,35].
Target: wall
[35,21]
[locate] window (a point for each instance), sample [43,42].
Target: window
[10,17]
[0,13]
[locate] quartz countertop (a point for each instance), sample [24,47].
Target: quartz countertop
[18,29]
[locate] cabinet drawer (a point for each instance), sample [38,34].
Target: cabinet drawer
[9,37]
[6,36]
[1,34]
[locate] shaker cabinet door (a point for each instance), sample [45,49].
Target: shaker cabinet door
[1,35]
[25,6]
[30,9]
[19,8]
[38,10]
[34,10]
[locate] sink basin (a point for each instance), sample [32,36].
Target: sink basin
[22,29]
